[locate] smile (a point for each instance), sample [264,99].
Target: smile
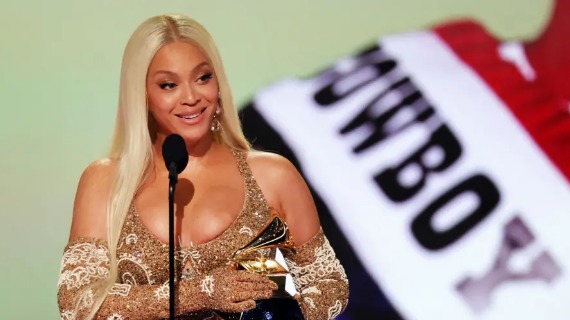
[190,116]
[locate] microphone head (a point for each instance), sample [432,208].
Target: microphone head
[174,152]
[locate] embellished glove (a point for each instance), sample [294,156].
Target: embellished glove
[232,291]
[319,278]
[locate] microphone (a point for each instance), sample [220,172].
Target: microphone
[175,158]
[175,155]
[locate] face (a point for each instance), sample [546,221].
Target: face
[182,92]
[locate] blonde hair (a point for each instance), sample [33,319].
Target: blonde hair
[132,145]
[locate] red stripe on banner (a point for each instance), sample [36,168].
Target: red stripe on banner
[543,114]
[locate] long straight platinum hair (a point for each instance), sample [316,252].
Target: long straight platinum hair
[132,145]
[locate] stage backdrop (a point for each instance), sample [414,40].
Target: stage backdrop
[59,71]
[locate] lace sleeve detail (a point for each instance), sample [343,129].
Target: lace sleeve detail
[85,262]
[319,278]
[85,270]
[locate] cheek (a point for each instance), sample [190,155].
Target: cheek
[159,101]
[159,106]
[209,92]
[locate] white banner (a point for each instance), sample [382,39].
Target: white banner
[446,199]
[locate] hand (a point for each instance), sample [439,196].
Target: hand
[235,291]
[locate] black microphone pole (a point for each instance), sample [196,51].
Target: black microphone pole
[175,158]
[172,180]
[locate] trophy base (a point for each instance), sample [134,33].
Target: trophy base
[285,287]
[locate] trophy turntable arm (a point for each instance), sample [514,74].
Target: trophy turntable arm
[319,278]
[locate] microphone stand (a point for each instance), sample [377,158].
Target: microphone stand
[173,179]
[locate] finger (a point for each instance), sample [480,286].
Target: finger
[239,296]
[256,286]
[246,286]
[255,278]
[266,285]
[262,295]
[243,275]
[242,306]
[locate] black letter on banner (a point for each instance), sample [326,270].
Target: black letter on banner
[434,240]
[373,59]
[411,99]
[388,179]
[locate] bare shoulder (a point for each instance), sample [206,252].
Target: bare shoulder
[98,175]
[287,192]
[91,198]
[273,174]
[270,164]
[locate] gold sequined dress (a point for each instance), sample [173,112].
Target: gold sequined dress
[142,292]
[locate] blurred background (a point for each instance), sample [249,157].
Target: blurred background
[475,228]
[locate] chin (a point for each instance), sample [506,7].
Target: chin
[194,135]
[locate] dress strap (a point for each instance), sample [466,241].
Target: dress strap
[253,191]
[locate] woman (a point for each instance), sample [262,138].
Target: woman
[115,265]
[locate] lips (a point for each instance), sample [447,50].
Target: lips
[190,115]
[191,118]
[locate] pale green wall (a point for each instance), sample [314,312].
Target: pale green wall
[59,67]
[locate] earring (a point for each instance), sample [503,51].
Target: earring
[215,122]
[215,125]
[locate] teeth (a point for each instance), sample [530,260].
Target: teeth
[191,117]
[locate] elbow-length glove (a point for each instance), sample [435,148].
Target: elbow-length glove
[319,278]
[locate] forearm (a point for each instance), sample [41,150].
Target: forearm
[319,278]
[202,292]
[135,302]
[324,300]
[143,302]
[86,262]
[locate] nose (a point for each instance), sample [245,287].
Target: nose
[189,97]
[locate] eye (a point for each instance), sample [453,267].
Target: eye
[206,77]
[167,85]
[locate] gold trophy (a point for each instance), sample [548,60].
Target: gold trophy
[259,255]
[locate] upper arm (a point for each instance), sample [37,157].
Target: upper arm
[287,192]
[90,207]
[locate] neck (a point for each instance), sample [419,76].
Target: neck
[549,54]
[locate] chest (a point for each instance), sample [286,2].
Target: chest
[143,259]
[202,209]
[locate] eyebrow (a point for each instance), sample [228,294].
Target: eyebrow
[200,65]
